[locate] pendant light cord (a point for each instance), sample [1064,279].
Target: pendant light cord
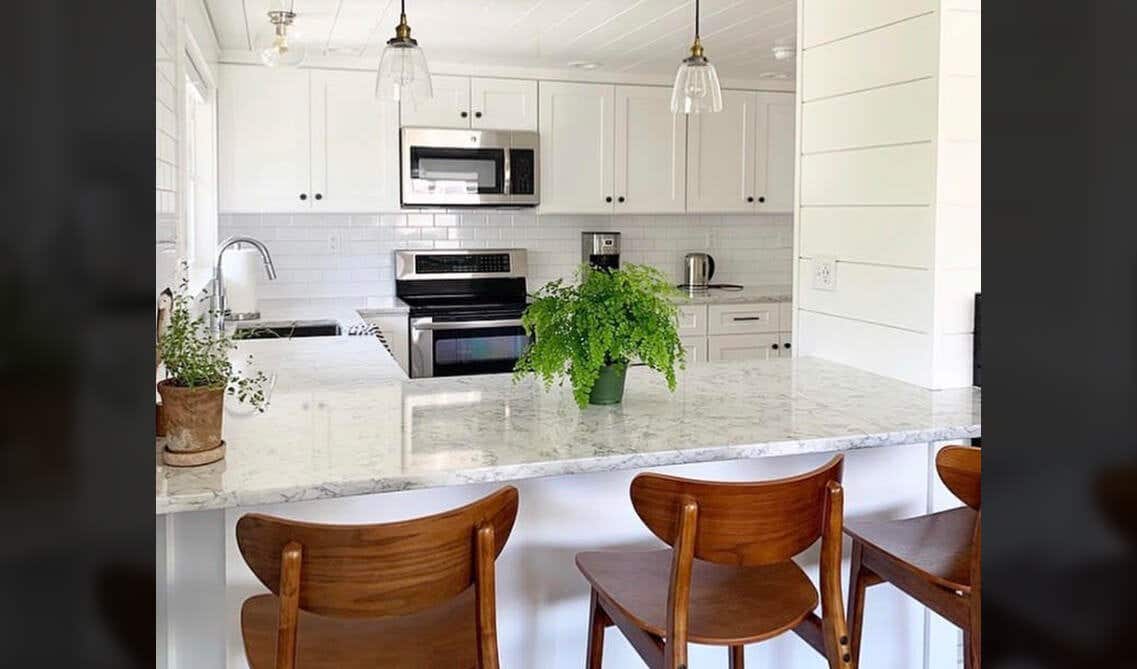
[696,18]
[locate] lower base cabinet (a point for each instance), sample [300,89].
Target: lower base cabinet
[722,333]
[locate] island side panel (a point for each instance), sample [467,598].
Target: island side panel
[195,587]
[543,600]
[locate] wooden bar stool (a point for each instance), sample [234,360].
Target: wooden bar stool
[934,558]
[386,595]
[727,579]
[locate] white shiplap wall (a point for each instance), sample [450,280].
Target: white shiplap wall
[888,185]
[167,109]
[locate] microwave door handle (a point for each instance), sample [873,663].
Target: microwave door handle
[508,177]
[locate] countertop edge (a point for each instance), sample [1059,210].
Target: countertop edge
[521,471]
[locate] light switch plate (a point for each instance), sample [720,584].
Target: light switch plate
[824,274]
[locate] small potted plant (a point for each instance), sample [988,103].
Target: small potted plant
[588,332]
[198,376]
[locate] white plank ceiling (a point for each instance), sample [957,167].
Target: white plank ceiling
[628,36]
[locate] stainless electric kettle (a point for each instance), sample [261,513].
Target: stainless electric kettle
[698,268]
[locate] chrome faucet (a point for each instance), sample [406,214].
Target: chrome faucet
[218,308]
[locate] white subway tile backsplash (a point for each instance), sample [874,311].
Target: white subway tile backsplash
[750,250]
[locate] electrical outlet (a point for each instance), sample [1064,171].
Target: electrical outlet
[824,274]
[335,242]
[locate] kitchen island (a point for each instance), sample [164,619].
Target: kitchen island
[348,438]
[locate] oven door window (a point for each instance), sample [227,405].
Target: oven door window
[477,351]
[436,170]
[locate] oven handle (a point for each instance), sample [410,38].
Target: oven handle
[467,325]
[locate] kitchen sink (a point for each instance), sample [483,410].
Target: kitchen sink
[288,330]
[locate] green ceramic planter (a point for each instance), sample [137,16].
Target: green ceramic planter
[609,386]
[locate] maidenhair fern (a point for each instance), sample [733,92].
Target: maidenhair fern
[607,317]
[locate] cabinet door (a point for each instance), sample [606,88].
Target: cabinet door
[720,157]
[692,319]
[651,152]
[448,107]
[723,348]
[576,147]
[355,144]
[503,104]
[263,140]
[774,158]
[695,349]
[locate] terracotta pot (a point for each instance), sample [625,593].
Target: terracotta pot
[192,417]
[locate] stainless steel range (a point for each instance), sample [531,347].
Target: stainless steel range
[465,309]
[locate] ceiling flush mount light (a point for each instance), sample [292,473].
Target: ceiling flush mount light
[278,50]
[697,87]
[783,52]
[403,74]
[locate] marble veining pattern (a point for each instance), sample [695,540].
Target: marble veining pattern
[345,420]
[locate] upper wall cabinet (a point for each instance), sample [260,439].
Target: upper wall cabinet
[476,102]
[610,149]
[305,141]
[576,148]
[651,149]
[741,160]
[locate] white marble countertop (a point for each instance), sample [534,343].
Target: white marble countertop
[749,294]
[344,420]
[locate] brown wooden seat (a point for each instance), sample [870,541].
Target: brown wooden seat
[728,578]
[933,558]
[415,593]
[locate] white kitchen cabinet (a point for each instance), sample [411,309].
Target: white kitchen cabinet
[651,149]
[695,349]
[448,107]
[295,141]
[742,318]
[577,156]
[720,156]
[475,102]
[264,140]
[692,319]
[355,146]
[503,104]
[725,348]
[742,159]
[785,345]
[774,158]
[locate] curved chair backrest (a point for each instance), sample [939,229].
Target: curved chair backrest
[739,523]
[959,469]
[378,570]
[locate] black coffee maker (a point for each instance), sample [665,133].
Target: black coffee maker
[600,249]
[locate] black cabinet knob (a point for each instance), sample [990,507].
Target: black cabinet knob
[775,347]
[620,199]
[750,199]
[319,196]
[303,196]
[762,198]
[465,114]
[608,199]
[786,346]
[477,114]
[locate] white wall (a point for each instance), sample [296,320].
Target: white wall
[888,185]
[167,107]
[347,259]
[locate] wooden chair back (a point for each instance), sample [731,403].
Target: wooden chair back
[739,523]
[378,570]
[959,469]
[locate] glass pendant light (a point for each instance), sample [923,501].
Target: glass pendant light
[697,87]
[403,74]
[277,50]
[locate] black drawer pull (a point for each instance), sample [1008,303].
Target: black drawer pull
[747,318]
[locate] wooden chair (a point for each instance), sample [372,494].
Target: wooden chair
[932,558]
[728,578]
[386,595]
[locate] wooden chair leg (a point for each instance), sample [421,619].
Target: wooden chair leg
[737,657]
[858,583]
[597,621]
[971,651]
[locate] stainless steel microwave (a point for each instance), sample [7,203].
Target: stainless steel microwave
[448,167]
